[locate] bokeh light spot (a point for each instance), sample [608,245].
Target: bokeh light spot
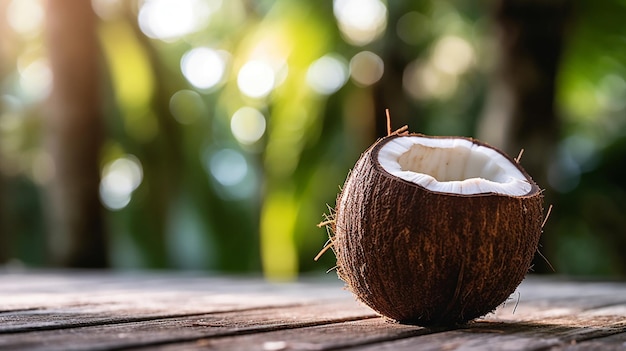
[25,16]
[360,21]
[169,20]
[187,106]
[119,179]
[247,125]
[256,79]
[453,55]
[327,74]
[422,81]
[203,67]
[228,167]
[366,68]
[35,79]
[413,27]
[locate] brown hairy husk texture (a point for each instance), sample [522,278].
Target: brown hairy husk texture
[428,258]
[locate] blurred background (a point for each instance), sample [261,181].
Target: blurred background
[213,134]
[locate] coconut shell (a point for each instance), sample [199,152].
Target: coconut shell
[428,258]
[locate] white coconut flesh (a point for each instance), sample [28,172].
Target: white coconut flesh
[452,165]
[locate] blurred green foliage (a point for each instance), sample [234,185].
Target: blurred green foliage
[236,121]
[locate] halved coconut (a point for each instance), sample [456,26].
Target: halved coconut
[435,230]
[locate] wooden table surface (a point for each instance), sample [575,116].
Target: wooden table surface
[174,311]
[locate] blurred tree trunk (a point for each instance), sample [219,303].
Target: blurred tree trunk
[388,92]
[520,111]
[162,157]
[74,134]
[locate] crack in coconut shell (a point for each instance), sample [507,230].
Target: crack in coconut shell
[431,258]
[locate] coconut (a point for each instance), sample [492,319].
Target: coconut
[435,230]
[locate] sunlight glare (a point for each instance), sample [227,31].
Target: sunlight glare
[203,67]
[327,74]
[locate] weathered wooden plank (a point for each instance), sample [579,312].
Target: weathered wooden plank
[375,333]
[171,330]
[30,291]
[36,291]
[378,334]
[616,342]
[85,310]
[538,287]
[555,307]
[532,334]
[139,306]
[144,308]
[351,334]
[484,334]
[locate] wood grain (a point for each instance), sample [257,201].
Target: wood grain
[166,311]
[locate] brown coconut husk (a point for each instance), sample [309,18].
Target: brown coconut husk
[428,258]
